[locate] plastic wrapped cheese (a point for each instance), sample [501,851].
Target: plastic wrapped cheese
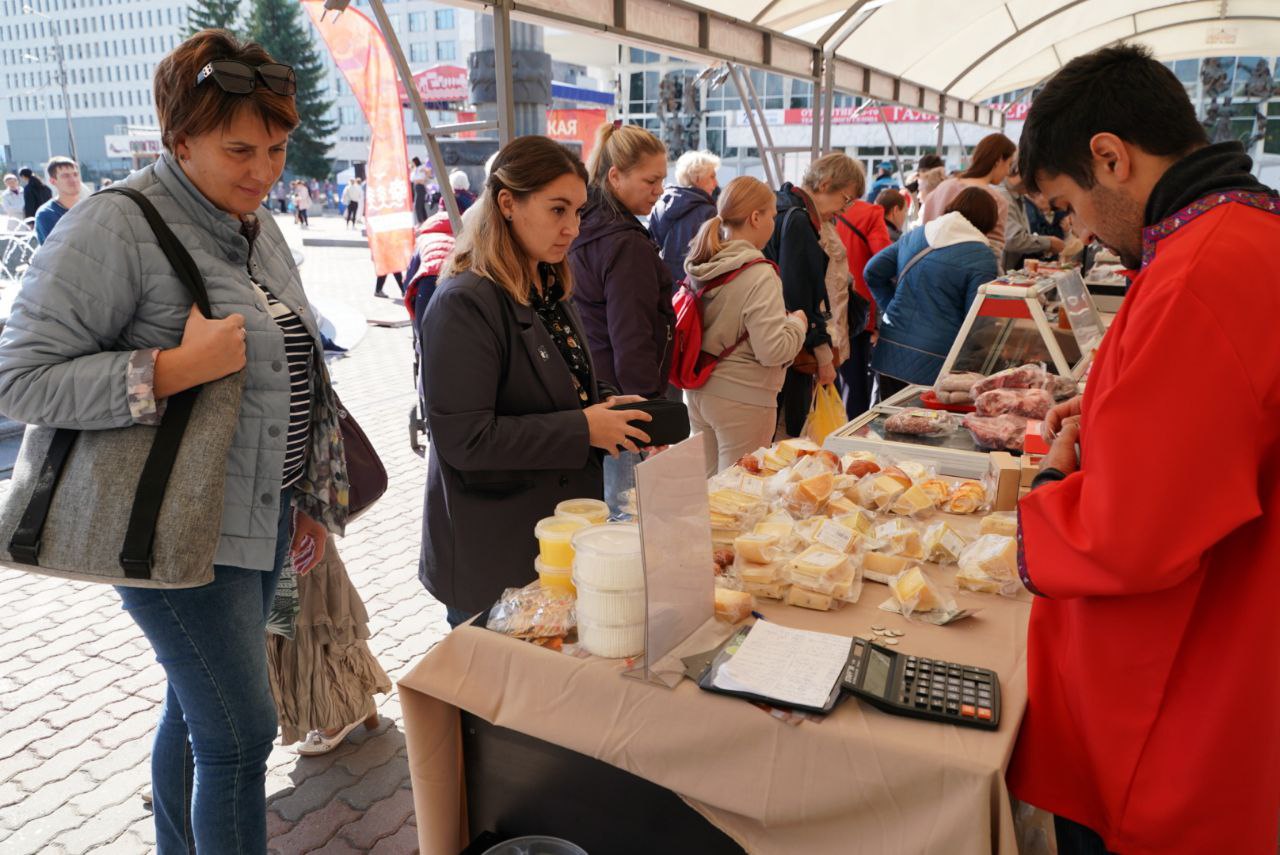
[915,592]
[837,536]
[732,606]
[937,490]
[1000,523]
[841,505]
[878,566]
[942,545]
[916,471]
[912,502]
[968,497]
[751,573]
[899,537]
[768,591]
[817,568]
[756,547]
[797,596]
[990,565]
[790,449]
[885,490]
[859,520]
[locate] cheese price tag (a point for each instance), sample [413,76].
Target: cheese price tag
[836,536]
[752,485]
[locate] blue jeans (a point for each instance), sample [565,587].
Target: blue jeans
[619,477]
[218,720]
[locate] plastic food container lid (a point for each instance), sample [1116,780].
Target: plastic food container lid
[608,556]
[559,529]
[593,509]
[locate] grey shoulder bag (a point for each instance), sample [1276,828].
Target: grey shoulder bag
[139,506]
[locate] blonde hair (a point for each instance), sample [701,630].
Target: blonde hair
[837,171]
[623,146]
[693,166]
[742,198]
[488,245]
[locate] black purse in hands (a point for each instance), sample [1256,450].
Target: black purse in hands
[670,422]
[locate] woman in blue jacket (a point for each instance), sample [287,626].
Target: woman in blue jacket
[925,284]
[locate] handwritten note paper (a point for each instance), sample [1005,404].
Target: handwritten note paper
[790,666]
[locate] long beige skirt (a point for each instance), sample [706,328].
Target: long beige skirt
[326,676]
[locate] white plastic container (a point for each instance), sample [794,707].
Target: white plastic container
[608,557]
[606,607]
[611,642]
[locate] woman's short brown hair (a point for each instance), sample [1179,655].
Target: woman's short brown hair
[977,206]
[187,110]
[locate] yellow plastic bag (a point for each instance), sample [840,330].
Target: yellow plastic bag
[826,414]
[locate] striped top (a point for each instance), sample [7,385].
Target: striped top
[298,349]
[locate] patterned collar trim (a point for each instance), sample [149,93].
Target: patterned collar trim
[1161,230]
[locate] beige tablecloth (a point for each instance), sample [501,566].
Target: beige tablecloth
[860,781]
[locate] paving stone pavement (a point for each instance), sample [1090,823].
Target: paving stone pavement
[80,690]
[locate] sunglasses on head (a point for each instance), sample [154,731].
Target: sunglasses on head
[240,78]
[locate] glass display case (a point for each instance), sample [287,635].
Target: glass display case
[1050,319]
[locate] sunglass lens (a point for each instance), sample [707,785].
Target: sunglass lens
[279,78]
[233,82]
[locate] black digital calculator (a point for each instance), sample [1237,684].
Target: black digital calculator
[923,688]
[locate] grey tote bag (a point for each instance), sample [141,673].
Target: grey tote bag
[139,506]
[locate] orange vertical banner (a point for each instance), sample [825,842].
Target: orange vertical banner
[361,54]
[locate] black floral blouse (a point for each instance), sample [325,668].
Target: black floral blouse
[549,306]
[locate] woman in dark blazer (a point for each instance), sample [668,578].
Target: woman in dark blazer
[514,408]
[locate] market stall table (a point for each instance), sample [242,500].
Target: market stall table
[859,781]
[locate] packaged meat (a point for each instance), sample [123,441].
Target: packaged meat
[1061,387]
[955,398]
[997,433]
[1028,403]
[917,422]
[1022,377]
[957,382]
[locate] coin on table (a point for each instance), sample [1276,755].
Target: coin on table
[877,628]
[890,641]
[896,633]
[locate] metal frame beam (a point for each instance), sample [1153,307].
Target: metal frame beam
[686,29]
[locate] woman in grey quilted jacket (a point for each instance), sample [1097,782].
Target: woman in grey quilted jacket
[103,332]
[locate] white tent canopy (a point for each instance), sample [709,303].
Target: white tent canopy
[974,49]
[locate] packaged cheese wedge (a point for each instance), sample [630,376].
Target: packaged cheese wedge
[1000,523]
[755,547]
[817,568]
[805,498]
[885,490]
[990,565]
[913,502]
[790,449]
[942,545]
[917,472]
[752,573]
[773,462]
[881,568]
[837,536]
[859,463]
[916,592]
[732,606]
[899,537]
[768,591]
[859,520]
[797,596]
[968,497]
[840,505]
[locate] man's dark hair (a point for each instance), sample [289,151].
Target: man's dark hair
[1118,90]
[56,163]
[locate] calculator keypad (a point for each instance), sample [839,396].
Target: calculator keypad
[946,687]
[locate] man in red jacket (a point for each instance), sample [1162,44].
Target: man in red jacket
[1151,537]
[863,232]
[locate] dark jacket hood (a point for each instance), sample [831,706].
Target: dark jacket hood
[601,220]
[678,202]
[790,196]
[1215,168]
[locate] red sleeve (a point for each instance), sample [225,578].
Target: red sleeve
[877,231]
[1170,450]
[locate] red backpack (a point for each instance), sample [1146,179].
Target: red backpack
[691,367]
